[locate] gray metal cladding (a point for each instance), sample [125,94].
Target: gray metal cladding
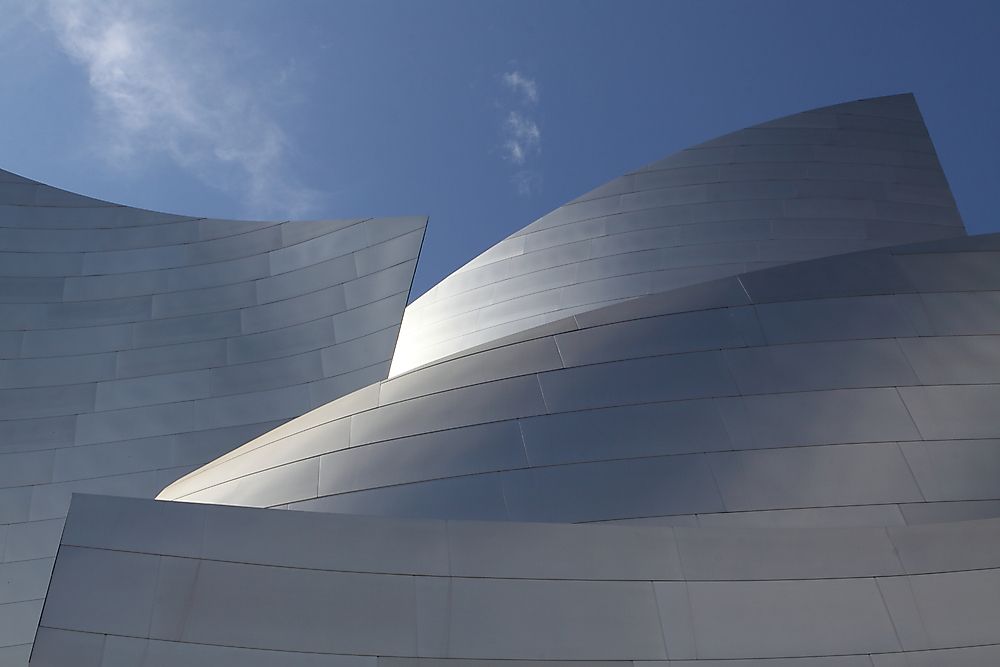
[829,181]
[136,346]
[222,583]
[784,396]
[763,372]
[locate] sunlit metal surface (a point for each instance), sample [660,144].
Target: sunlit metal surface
[847,177]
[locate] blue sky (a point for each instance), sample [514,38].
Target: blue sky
[483,115]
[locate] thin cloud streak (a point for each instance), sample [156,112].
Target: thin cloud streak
[161,89]
[522,137]
[521,84]
[526,182]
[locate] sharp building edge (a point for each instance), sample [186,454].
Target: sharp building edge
[733,408]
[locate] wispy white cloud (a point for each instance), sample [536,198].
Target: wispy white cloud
[526,182]
[522,136]
[165,88]
[524,86]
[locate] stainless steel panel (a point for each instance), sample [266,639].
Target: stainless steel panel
[139,422]
[953,470]
[669,334]
[295,310]
[102,591]
[834,319]
[255,242]
[275,486]
[952,273]
[308,610]
[814,477]
[176,580]
[812,366]
[816,517]
[187,329]
[479,497]
[492,401]
[135,525]
[63,647]
[282,372]
[42,372]
[807,553]
[956,411]
[494,364]
[959,608]
[281,342]
[152,390]
[972,656]
[248,408]
[380,285]
[682,376]
[307,279]
[83,340]
[25,580]
[217,273]
[554,619]
[299,255]
[937,512]
[325,541]
[138,259]
[963,545]
[226,297]
[32,540]
[462,451]
[303,230]
[963,314]
[46,401]
[392,252]
[789,618]
[625,432]
[18,621]
[552,551]
[128,651]
[615,490]
[817,418]
[674,609]
[171,358]
[954,359]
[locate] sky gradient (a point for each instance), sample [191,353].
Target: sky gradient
[482,115]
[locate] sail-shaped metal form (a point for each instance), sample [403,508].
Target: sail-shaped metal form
[847,177]
[763,372]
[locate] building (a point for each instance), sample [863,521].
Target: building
[734,408]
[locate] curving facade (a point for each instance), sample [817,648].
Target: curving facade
[137,346]
[762,372]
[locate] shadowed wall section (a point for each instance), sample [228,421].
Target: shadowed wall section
[136,346]
[221,586]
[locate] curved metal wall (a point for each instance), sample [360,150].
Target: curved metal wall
[852,389]
[218,586]
[841,178]
[136,346]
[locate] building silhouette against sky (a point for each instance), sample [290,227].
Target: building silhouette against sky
[761,373]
